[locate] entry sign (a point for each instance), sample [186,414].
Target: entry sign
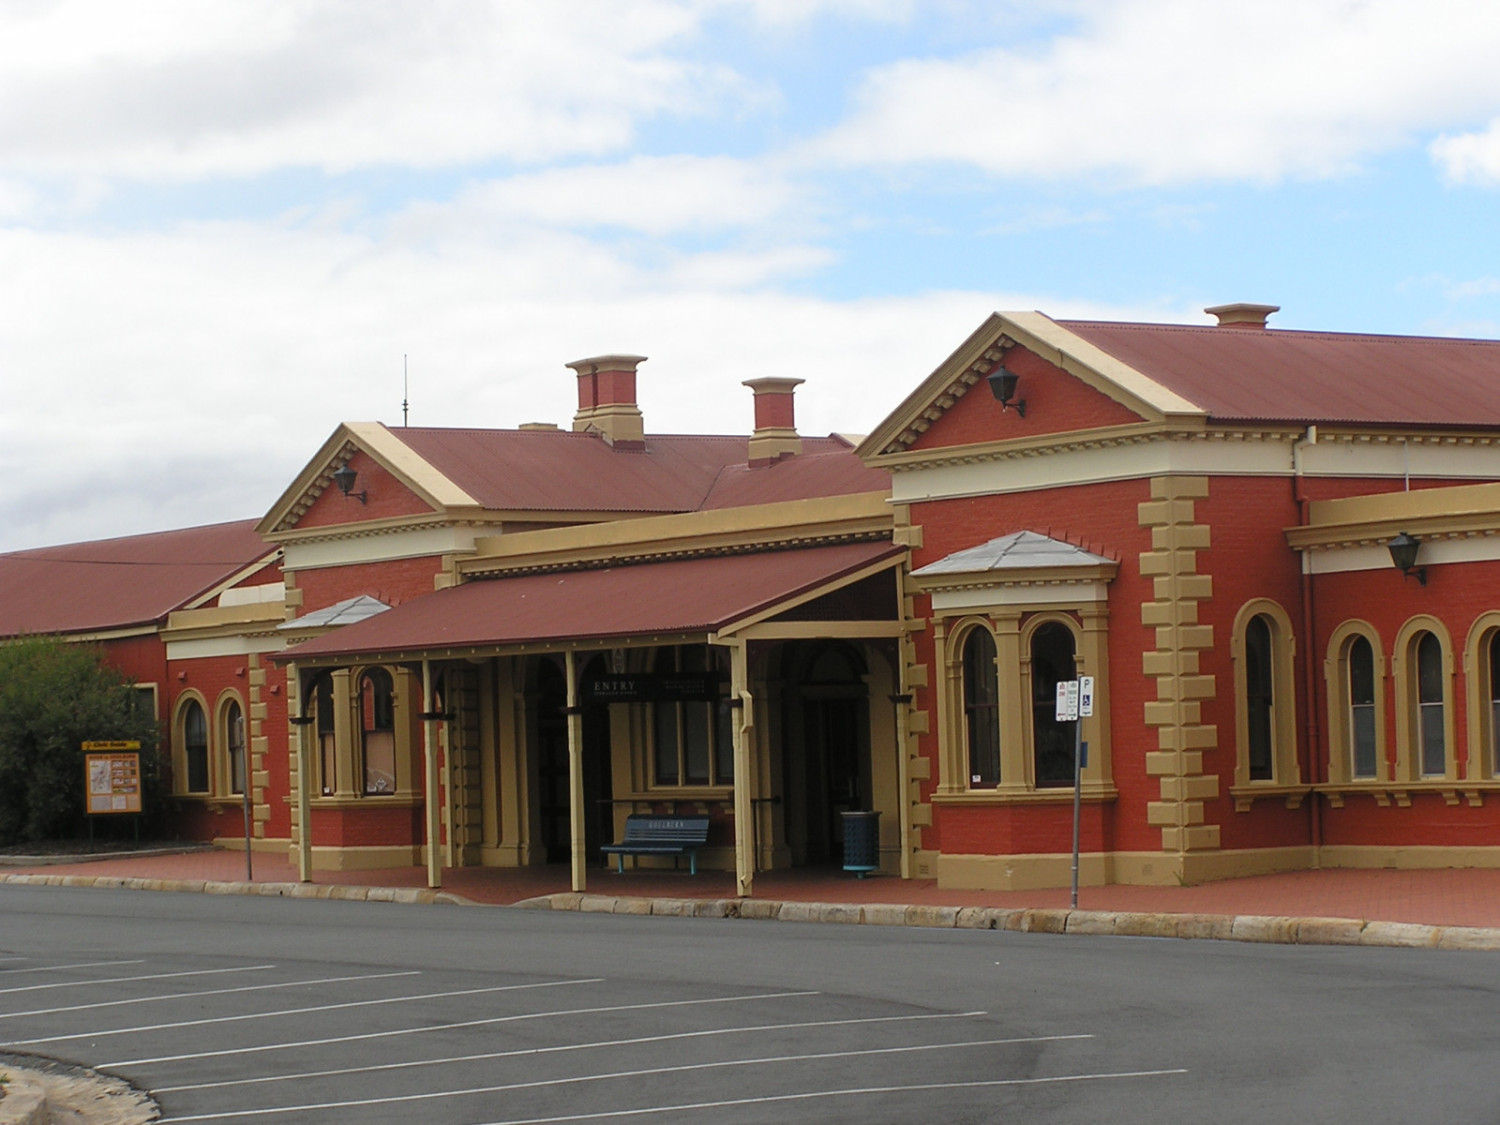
[113,776]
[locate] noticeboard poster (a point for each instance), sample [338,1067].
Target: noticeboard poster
[113,776]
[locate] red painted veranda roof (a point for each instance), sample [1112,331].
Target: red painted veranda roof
[115,583]
[681,596]
[1277,375]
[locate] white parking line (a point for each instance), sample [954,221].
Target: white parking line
[593,1046]
[266,1111]
[867,1090]
[206,992]
[132,980]
[61,968]
[304,1011]
[452,1026]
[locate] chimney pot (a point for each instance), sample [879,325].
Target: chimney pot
[1242,314]
[775,433]
[606,400]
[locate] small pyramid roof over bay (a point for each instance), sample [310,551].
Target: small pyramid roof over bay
[1020,550]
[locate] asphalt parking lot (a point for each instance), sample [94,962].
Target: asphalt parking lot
[237,1008]
[222,1039]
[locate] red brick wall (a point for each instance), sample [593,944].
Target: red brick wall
[393,582]
[387,497]
[1055,403]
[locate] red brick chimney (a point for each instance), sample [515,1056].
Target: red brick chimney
[1242,315]
[775,435]
[606,400]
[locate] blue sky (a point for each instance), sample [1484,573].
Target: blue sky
[225,225]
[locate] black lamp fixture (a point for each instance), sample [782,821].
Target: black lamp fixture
[1003,385]
[344,478]
[1403,549]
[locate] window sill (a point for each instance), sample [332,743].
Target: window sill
[393,800]
[1094,793]
[1246,795]
[1399,793]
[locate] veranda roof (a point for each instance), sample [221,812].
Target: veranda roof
[696,595]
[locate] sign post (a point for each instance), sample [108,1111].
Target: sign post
[112,780]
[1075,702]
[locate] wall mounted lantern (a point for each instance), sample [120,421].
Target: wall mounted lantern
[344,478]
[1403,549]
[1003,385]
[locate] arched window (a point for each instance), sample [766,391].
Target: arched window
[1260,695]
[234,745]
[982,709]
[1432,739]
[1265,700]
[1052,741]
[1364,762]
[195,746]
[378,731]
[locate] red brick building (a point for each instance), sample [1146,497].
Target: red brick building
[506,641]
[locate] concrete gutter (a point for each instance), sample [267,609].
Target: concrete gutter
[1035,920]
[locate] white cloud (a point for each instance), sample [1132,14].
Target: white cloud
[1469,158]
[170,89]
[1165,91]
[178,377]
[652,195]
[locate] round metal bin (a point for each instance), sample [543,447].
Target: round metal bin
[861,842]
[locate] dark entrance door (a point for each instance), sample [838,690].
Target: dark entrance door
[553,805]
[832,742]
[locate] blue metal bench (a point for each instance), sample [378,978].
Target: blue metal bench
[650,834]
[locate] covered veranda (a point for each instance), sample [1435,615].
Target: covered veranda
[796,700]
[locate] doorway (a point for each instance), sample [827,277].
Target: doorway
[827,749]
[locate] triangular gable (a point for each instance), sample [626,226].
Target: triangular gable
[424,488]
[986,349]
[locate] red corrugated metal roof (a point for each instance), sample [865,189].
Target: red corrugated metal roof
[113,583]
[550,470]
[1288,376]
[681,596]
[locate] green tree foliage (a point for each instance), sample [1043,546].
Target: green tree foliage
[53,697]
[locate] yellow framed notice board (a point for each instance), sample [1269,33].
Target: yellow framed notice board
[113,776]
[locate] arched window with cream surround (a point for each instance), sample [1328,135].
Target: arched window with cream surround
[1265,696]
[1482,691]
[1423,670]
[193,727]
[234,746]
[981,697]
[1355,679]
[1051,650]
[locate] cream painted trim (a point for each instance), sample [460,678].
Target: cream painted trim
[241,645]
[1285,769]
[1408,858]
[1404,677]
[645,536]
[1482,758]
[799,630]
[224,620]
[1089,363]
[94,637]
[398,458]
[381,545]
[221,775]
[234,580]
[1033,596]
[1152,455]
[1483,546]
[1336,686]
[365,858]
